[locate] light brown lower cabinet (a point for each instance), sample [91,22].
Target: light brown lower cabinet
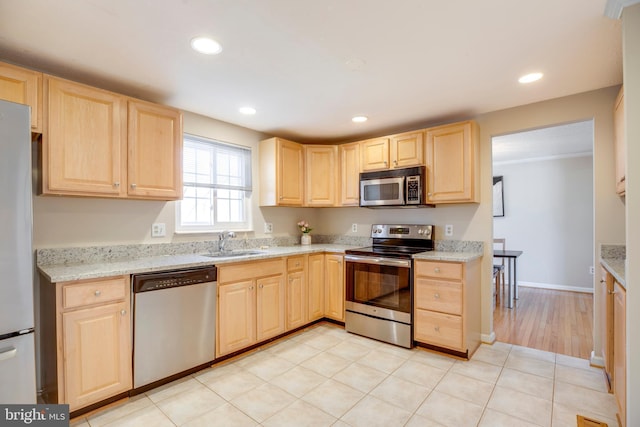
[297,290]
[334,287]
[85,340]
[316,275]
[446,312]
[251,304]
[619,351]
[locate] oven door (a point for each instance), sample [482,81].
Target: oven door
[382,192]
[379,287]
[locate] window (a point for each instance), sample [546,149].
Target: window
[217,187]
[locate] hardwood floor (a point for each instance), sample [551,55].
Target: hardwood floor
[556,321]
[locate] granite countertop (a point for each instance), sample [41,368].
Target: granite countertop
[613,258]
[63,272]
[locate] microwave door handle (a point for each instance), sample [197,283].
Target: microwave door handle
[390,262]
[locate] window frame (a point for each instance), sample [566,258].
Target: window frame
[215,226]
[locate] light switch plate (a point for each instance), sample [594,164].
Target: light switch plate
[354,228]
[448,230]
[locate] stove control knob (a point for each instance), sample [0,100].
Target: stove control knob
[420,231]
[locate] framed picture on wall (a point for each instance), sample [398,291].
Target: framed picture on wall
[498,196]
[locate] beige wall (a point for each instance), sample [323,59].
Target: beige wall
[631,71]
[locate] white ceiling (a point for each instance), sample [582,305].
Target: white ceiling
[308,66]
[571,139]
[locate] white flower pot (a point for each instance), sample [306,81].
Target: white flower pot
[305,239]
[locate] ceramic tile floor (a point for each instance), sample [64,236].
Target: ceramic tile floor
[324,376]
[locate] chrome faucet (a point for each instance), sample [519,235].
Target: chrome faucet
[223,237]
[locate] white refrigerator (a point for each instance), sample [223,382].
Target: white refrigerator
[17,354]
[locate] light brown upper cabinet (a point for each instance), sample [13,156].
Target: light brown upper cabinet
[349,155]
[395,151]
[100,144]
[23,86]
[620,143]
[453,167]
[375,154]
[281,173]
[321,175]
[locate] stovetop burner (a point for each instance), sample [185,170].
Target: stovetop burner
[397,241]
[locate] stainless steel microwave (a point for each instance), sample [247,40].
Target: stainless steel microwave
[396,187]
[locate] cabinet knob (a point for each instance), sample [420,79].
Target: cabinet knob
[603,281]
[280,197]
[250,288]
[611,292]
[436,270]
[133,186]
[123,312]
[97,293]
[385,163]
[297,264]
[428,194]
[395,162]
[261,286]
[436,296]
[116,184]
[437,329]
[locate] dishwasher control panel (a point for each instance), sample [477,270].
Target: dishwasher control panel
[170,279]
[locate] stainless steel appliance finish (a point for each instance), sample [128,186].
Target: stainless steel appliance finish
[174,322]
[17,356]
[394,188]
[379,283]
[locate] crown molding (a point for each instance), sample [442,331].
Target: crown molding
[613,8]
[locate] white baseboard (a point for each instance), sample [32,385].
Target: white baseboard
[488,339]
[596,360]
[554,287]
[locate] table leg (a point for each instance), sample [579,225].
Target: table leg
[515,277]
[509,282]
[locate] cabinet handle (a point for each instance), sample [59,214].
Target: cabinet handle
[436,296]
[436,270]
[611,292]
[385,163]
[261,286]
[250,288]
[133,186]
[428,194]
[116,184]
[395,162]
[97,293]
[123,312]
[280,197]
[602,281]
[437,329]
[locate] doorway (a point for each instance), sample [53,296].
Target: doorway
[547,212]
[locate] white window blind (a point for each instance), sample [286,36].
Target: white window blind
[217,186]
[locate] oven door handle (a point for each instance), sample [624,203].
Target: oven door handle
[391,262]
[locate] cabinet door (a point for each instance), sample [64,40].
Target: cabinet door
[236,316]
[84,143]
[97,353]
[335,290]
[350,174]
[23,86]
[270,307]
[296,300]
[407,149]
[605,315]
[289,173]
[321,175]
[155,152]
[316,287]
[375,154]
[452,163]
[620,142]
[619,350]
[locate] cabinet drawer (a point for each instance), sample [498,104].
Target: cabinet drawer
[91,292]
[445,297]
[444,330]
[295,263]
[440,270]
[250,270]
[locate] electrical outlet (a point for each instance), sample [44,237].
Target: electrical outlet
[592,270]
[158,229]
[268,227]
[354,228]
[448,230]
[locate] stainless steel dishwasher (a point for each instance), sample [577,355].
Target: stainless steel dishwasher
[174,315]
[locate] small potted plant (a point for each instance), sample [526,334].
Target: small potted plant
[304,227]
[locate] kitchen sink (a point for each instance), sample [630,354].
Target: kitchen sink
[232,254]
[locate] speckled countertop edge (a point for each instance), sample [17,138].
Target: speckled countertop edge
[613,258]
[56,273]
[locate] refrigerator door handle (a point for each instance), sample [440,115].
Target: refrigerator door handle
[8,353]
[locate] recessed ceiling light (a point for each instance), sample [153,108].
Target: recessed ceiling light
[530,78]
[359,119]
[206,45]
[249,111]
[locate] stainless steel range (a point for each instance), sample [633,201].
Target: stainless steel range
[379,283]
